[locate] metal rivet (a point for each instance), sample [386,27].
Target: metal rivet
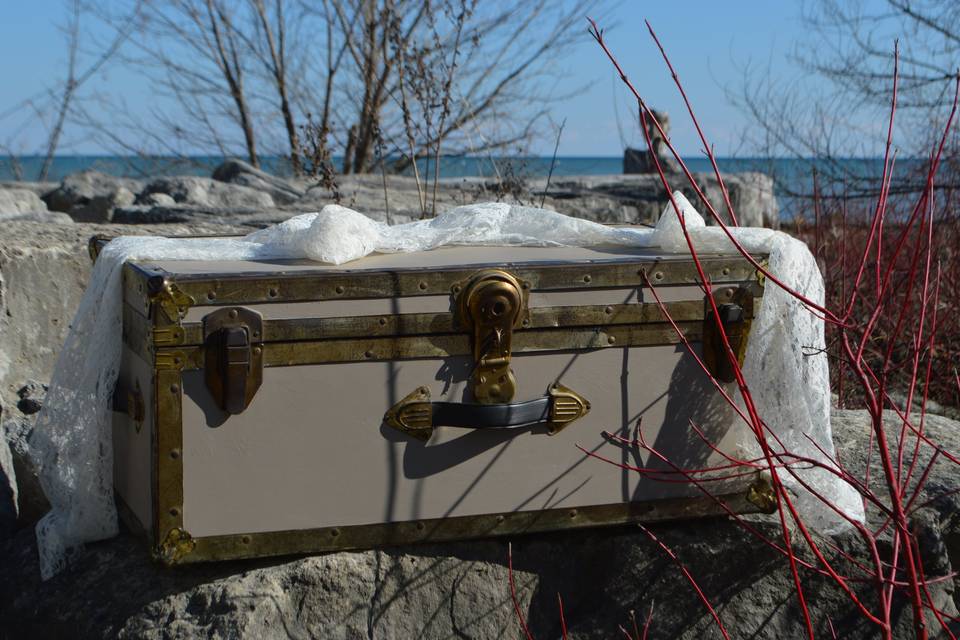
[256,334]
[339,288]
[174,511]
[422,285]
[587,278]
[608,310]
[174,454]
[526,322]
[502,379]
[525,284]
[334,533]
[573,513]
[245,539]
[257,351]
[456,288]
[729,293]
[611,339]
[177,360]
[368,354]
[483,379]
[272,293]
[726,271]
[500,519]
[658,275]
[233,313]
[211,295]
[383,322]
[420,526]
[174,388]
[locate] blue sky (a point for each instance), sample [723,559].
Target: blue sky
[710,43]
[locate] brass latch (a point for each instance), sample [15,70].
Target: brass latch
[735,307]
[492,304]
[130,401]
[233,359]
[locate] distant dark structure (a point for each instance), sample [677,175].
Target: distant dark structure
[641,160]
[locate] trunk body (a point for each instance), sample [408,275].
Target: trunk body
[308,458]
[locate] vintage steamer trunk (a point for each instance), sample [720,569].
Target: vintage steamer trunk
[279,407]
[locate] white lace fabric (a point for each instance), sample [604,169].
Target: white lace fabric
[72,443]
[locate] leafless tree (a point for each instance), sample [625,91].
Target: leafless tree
[850,45]
[391,80]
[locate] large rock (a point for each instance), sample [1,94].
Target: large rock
[90,195]
[641,198]
[101,208]
[9,510]
[658,154]
[44,269]
[206,192]
[15,432]
[14,201]
[239,172]
[462,589]
[620,199]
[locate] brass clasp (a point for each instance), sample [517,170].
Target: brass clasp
[492,305]
[233,360]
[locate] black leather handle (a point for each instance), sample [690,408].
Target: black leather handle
[417,416]
[491,416]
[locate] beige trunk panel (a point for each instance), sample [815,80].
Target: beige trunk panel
[311,450]
[133,463]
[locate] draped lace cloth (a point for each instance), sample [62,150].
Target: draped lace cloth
[71,443]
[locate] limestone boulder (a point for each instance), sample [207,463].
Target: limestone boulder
[239,172]
[206,192]
[44,269]
[90,196]
[9,510]
[462,589]
[101,208]
[20,201]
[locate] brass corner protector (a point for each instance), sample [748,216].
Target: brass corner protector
[761,494]
[171,360]
[173,301]
[413,415]
[177,545]
[168,336]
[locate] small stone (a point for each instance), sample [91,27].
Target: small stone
[158,199]
[31,397]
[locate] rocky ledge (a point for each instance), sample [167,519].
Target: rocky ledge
[461,590]
[240,194]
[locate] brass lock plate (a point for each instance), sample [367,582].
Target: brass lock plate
[491,305]
[736,311]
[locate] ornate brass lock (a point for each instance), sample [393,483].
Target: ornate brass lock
[492,304]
